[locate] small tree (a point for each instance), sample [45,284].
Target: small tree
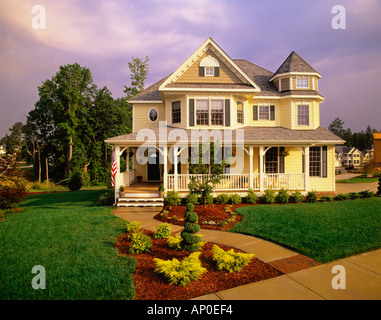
[12,182]
[190,242]
[211,171]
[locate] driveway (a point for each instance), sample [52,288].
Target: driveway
[353,187]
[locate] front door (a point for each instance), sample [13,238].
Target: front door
[153,165]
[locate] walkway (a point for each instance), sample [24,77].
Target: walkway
[363,272]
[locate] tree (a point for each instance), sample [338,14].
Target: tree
[337,127]
[190,241]
[210,170]
[139,72]
[14,140]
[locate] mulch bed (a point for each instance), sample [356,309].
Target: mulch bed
[152,286]
[213,212]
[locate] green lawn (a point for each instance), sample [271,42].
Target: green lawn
[323,231]
[358,179]
[73,240]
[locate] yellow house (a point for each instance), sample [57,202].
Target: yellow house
[270,120]
[377,149]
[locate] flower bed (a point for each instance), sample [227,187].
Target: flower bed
[214,216]
[152,286]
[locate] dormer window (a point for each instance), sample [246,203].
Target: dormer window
[209,67]
[302,82]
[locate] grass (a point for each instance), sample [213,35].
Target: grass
[323,231]
[359,179]
[73,240]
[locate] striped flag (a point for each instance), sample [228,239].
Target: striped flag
[114,168]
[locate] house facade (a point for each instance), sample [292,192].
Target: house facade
[269,122]
[348,156]
[377,149]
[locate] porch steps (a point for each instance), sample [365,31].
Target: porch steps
[151,199]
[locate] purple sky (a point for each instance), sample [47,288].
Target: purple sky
[104,34]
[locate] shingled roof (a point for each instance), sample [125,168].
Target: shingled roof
[294,63]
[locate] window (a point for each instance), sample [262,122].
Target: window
[217,115]
[176,112]
[315,161]
[264,113]
[303,115]
[239,112]
[302,82]
[271,158]
[209,71]
[202,112]
[153,115]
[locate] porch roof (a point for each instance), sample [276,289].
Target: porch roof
[250,136]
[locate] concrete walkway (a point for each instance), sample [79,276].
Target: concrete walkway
[362,272]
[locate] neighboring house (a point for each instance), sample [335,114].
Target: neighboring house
[348,156]
[274,120]
[368,155]
[377,149]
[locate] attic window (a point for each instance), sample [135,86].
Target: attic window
[209,67]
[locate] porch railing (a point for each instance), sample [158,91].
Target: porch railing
[241,182]
[128,177]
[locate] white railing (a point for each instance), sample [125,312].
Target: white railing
[128,177]
[276,181]
[236,182]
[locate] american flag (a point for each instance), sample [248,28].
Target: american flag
[114,168]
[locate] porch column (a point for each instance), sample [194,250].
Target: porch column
[128,166]
[307,168]
[175,173]
[117,179]
[165,174]
[251,153]
[261,169]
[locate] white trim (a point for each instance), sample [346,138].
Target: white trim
[144,101]
[209,90]
[296,73]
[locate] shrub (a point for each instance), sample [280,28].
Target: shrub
[366,194]
[379,187]
[190,242]
[326,198]
[296,197]
[269,196]
[209,199]
[222,198]
[235,198]
[311,196]
[106,199]
[229,260]
[353,195]
[162,231]
[75,181]
[139,243]
[341,197]
[181,273]
[173,198]
[283,196]
[251,196]
[133,226]
[191,198]
[174,242]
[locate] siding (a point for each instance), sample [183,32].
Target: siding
[326,184]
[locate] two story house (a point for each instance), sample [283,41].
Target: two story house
[269,121]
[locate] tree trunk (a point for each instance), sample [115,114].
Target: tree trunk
[39,165]
[47,169]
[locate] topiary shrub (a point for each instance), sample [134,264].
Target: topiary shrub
[75,181]
[311,196]
[251,196]
[229,260]
[283,196]
[139,243]
[190,242]
[181,273]
[269,196]
[296,197]
[235,198]
[173,198]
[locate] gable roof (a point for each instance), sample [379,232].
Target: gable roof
[294,63]
[210,44]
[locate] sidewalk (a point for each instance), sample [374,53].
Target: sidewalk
[363,272]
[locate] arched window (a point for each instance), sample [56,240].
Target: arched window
[153,115]
[209,67]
